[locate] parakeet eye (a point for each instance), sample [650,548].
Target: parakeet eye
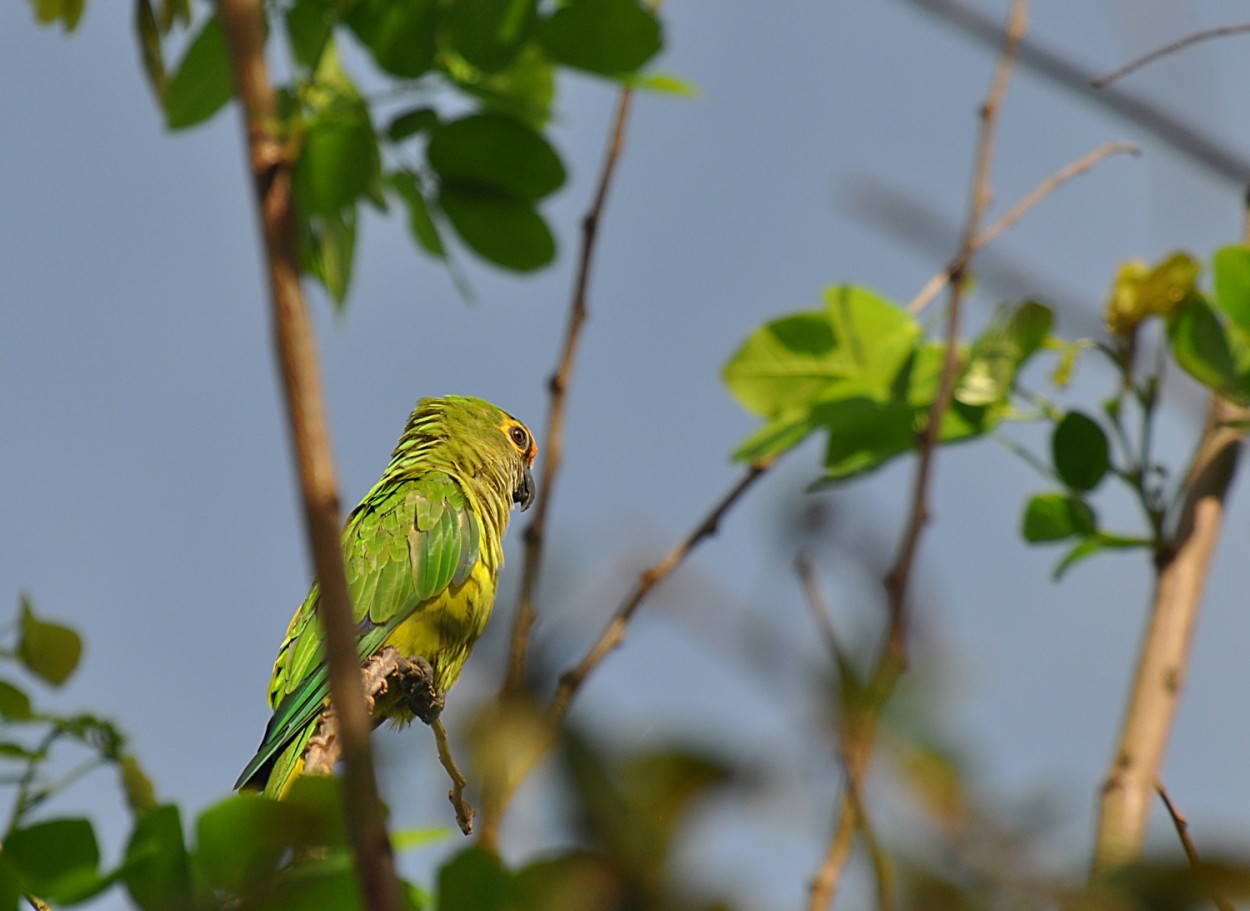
[519,437]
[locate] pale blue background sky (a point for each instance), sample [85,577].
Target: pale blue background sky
[146,486]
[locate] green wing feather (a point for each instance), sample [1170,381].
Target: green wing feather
[404,545]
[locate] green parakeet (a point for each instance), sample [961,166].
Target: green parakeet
[422,553]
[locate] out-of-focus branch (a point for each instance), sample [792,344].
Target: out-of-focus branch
[614,633]
[1191,852]
[1183,136]
[553,447]
[1124,808]
[1016,212]
[864,712]
[242,23]
[1170,48]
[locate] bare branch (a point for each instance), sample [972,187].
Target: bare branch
[612,635]
[1184,136]
[1074,169]
[464,810]
[1191,852]
[1124,808]
[243,26]
[553,447]
[1170,48]
[818,605]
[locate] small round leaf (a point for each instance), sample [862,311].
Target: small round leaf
[1080,451]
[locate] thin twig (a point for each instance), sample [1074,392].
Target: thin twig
[553,446]
[818,605]
[1124,807]
[464,810]
[243,26]
[824,884]
[1191,852]
[1184,136]
[1074,169]
[614,632]
[859,734]
[1170,48]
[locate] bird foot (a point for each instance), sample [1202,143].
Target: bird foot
[413,680]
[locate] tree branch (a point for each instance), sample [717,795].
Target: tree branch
[1124,808]
[243,25]
[860,727]
[1191,852]
[1170,48]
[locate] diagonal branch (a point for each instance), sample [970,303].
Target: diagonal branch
[553,447]
[1124,807]
[860,730]
[243,26]
[1191,852]
[1170,48]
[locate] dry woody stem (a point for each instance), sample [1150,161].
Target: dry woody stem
[243,27]
[1127,794]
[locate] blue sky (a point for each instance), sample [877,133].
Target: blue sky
[147,488]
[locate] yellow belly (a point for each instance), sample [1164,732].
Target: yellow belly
[444,629]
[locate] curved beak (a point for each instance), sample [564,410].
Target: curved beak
[524,494]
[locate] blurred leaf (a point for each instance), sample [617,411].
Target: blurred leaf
[663,84]
[315,806]
[420,221]
[240,840]
[488,33]
[48,650]
[609,37]
[1056,516]
[1201,347]
[575,881]
[400,34]
[14,703]
[67,12]
[57,860]
[314,881]
[504,230]
[156,869]
[10,885]
[1091,545]
[997,355]
[202,84]
[338,161]
[1141,291]
[412,839]
[524,90]
[1231,267]
[140,795]
[1080,451]
[308,24]
[417,120]
[328,251]
[473,879]
[496,154]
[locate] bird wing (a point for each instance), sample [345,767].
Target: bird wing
[404,545]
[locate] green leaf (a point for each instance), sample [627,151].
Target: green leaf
[140,795]
[498,154]
[564,883]
[1231,267]
[156,869]
[240,841]
[1056,516]
[14,703]
[506,231]
[475,879]
[996,357]
[308,25]
[417,120]
[609,37]
[1201,347]
[525,90]
[202,84]
[1093,544]
[57,860]
[411,839]
[400,34]
[48,650]
[663,84]
[863,434]
[328,251]
[67,12]
[420,221]
[488,33]
[1080,451]
[315,804]
[338,162]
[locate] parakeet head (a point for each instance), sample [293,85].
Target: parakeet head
[483,443]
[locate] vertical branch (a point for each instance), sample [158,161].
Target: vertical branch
[243,25]
[860,731]
[553,447]
[1124,807]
